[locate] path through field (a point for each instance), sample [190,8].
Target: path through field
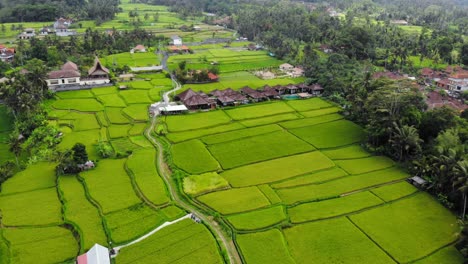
[223,239]
[116,249]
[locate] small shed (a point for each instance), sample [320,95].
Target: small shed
[172,109]
[417,181]
[96,255]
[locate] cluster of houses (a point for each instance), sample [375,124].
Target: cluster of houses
[291,71]
[6,54]
[69,77]
[229,97]
[59,28]
[452,79]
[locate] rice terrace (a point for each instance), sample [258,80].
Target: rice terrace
[214,150]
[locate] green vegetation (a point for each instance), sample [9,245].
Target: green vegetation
[196,121]
[332,241]
[239,134]
[419,236]
[27,244]
[37,176]
[307,105]
[394,191]
[310,121]
[184,153]
[198,184]
[321,176]
[276,170]
[259,148]
[192,134]
[350,152]
[235,200]
[84,105]
[137,112]
[357,166]
[259,111]
[332,207]
[111,100]
[264,247]
[269,119]
[258,219]
[182,242]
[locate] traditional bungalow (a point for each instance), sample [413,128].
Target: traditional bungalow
[316,89]
[28,33]
[98,74]
[138,48]
[197,102]
[96,255]
[286,67]
[185,95]
[6,54]
[253,94]
[46,31]
[303,88]
[68,74]
[280,89]
[291,89]
[176,40]
[216,93]
[225,100]
[270,92]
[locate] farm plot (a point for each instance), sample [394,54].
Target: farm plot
[311,121]
[80,122]
[115,115]
[83,105]
[350,152]
[332,241]
[358,166]
[88,137]
[110,185]
[192,134]
[138,129]
[258,219]
[394,191]
[137,112]
[269,119]
[183,242]
[37,176]
[111,100]
[408,235]
[145,85]
[184,153]
[307,105]
[277,169]
[259,110]
[259,148]
[447,255]
[264,247]
[197,184]
[317,177]
[130,223]
[124,145]
[340,186]
[329,135]
[196,121]
[239,134]
[332,207]
[325,111]
[39,207]
[27,245]
[118,131]
[135,96]
[81,213]
[75,94]
[235,200]
[142,164]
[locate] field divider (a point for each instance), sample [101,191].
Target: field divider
[97,205]
[377,244]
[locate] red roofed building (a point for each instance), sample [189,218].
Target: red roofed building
[213,77]
[138,48]
[7,54]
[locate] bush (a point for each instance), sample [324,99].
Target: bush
[105,150]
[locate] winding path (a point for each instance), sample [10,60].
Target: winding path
[224,240]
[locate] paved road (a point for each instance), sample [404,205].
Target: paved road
[226,241]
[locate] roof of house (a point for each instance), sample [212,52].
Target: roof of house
[270,92]
[427,71]
[98,69]
[225,99]
[183,47]
[186,94]
[96,255]
[195,100]
[212,76]
[216,92]
[63,74]
[247,90]
[229,91]
[460,75]
[286,65]
[70,66]
[139,47]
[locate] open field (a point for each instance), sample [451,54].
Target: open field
[258,219]
[185,151]
[197,184]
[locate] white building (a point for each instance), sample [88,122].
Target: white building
[176,40]
[68,74]
[96,255]
[27,34]
[286,67]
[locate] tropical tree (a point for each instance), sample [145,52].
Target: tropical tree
[405,141]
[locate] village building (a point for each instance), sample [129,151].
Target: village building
[138,48]
[172,109]
[213,77]
[316,89]
[176,40]
[296,72]
[325,48]
[69,77]
[286,67]
[399,22]
[265,75]
[45,31]
[61,27]
[126,77]
[7,54]
[96,255]
[194,101]
[28,33]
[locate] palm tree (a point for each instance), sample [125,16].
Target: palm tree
[405,141]
[460,181]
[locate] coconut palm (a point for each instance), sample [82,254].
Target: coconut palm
[405,141]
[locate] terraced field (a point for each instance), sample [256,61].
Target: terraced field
[120,200]
[304,190]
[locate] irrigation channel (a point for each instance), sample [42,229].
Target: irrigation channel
[225,240]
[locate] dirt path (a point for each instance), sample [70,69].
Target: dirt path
[224,240]
[117,249]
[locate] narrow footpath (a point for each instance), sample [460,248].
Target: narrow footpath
[225,241]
